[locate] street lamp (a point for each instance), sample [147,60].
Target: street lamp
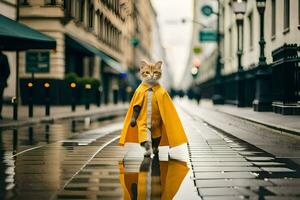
[262,100]
[217,98]
[239,8]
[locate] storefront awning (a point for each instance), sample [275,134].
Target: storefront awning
[16,36]
[116,66]
[90,50]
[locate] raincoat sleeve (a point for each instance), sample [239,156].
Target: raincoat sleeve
[130,134]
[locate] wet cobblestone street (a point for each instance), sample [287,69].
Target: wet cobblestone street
[71,161]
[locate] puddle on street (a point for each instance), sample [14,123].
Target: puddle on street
[108,176]
[33,163]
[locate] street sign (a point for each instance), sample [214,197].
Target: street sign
[37,61]
[207,10]
[207,36]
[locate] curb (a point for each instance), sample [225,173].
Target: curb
[93,115]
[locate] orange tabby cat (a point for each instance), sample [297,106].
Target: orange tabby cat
[150,74]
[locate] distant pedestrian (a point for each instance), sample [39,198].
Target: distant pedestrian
[4,74]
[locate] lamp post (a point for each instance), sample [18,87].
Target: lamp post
[239,8]
[217,98]
[262,101]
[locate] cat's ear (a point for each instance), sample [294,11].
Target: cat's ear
[143,64]
[158,64]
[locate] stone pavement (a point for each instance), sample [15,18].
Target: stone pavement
[58,112]
[283,123]
[225,167]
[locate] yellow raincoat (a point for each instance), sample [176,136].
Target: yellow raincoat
[172,133]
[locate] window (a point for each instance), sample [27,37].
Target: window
[101,30]
[106,31]
[81,12]
[77,9]
[286,15]
[273,29]
[230,43]
[24,2]
[67,5]
[250,19]
[98,23]
[50,2]
[91,15]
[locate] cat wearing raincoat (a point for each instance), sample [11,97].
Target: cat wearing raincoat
[151,119]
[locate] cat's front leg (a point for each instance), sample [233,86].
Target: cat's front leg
[135,114]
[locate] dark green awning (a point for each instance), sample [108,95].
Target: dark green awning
[80,46]
[16,36]
[89,50]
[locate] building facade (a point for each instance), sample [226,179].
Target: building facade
[243,84]
[80,28]
[139,19]
[94,40]
[8,9]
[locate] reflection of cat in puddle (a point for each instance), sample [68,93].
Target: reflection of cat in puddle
[151,179]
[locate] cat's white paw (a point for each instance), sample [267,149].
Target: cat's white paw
[148,148]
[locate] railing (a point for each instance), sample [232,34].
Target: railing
[285,74]
[229,84]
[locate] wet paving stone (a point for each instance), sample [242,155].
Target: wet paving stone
[268,164]
[284,190]
[286,181]
[226,192]
[223,175]
[225,169]
[221,159]
[254,158]
[277,169]
[281,198]
[234,164]
[216,183]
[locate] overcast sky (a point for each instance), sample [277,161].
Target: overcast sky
[176,36]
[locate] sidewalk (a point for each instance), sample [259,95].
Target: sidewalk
[58,112]
[284,123]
